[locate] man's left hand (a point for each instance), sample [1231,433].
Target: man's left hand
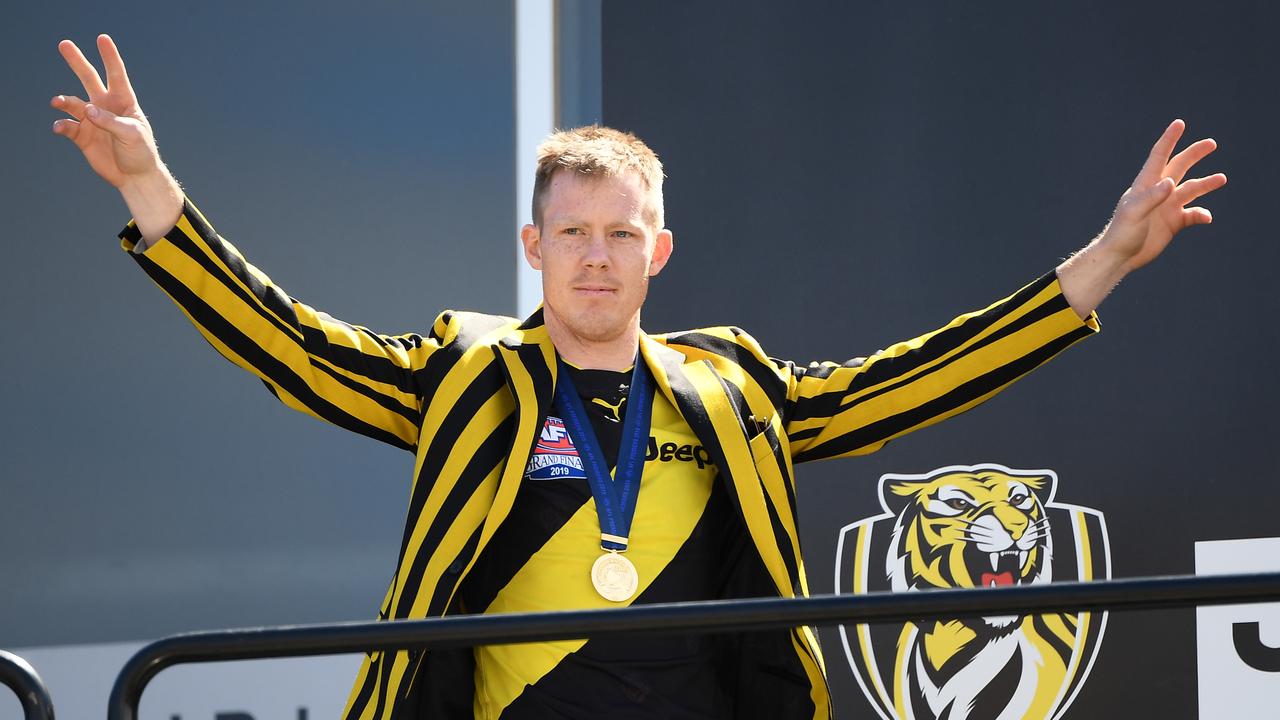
[1149,214]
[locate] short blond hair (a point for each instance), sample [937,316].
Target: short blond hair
[599,151]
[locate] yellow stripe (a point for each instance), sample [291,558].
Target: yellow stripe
[558,576]
[399,664]
[1086,551]
[1084,619]
[478,508]
[815,672]
[750,496]
[774,485]
[487,417]
[1058,626]
[775,482]
[336,333]
[351,698]
[933,385]
[842,377]
[864,631]
[900,672]
[281,346]
[922,378]
[477,430]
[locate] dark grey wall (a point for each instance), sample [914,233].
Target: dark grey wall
[363,159]
[846,175]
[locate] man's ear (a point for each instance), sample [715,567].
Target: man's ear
[531,239]
[662,247]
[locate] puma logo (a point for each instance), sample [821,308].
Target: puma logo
[616,409]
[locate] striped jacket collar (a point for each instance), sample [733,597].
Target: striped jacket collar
[694,388]
[531,341]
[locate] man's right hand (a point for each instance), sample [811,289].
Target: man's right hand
[116,139]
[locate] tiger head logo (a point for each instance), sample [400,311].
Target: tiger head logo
[972,526]
[970,529]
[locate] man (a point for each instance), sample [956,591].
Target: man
[515,425]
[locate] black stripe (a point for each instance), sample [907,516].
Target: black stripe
[695,414]
[1093,526]
[278,372]
[783,542]
[788,482]
[518,543]
[413,415]
[960,395]
[827,404]
[430,377]
[444,589]
[992,700]
[281,313]
[1030,318]
[804,646]
[576,678]
[533,320]
[819,371]
[486,383]
[443,321]
[780,539]
[133,234]
[1042,628]
[384,678]
[377,368]
[361,699]
[488,456]
[763,375]
[737,399]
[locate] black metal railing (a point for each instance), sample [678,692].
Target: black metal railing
[23,680]
[701,617]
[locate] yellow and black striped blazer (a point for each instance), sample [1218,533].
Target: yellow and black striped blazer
[468,399]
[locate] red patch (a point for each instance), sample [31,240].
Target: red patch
[555,438]
[997,579]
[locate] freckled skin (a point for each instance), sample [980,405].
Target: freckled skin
[597,246]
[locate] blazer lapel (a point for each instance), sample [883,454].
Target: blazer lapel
[528,360]
[698,392]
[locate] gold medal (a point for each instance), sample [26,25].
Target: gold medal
[614,577]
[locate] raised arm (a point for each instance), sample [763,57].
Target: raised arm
[1149,214]
[340,373]
[116,139]
[856,407]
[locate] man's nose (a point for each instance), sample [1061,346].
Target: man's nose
[597,254]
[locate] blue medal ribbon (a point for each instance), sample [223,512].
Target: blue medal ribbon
[616,494]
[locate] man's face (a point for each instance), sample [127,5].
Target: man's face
[596,248]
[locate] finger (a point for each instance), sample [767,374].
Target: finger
[70,105]
[80,66]
[1151,198]
[1185,160]
[117,78]
[1192,189]
[1196,216]
[122,129]
[1154,169]
[66,128]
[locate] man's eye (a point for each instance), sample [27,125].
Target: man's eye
[573,231]
[624,234]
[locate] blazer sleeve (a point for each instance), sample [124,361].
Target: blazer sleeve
[854,408]
[343,374]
